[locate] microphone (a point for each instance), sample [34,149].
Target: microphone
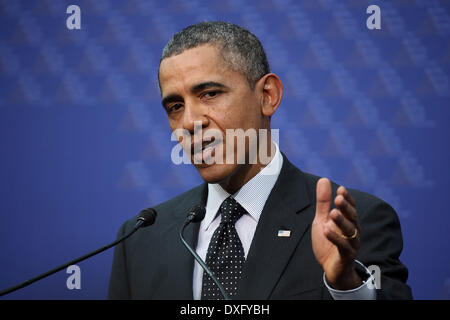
[145,218]
[196,214]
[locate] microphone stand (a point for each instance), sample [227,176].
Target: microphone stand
[75,261]
[202,264]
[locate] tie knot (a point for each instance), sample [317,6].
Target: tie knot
[231,211]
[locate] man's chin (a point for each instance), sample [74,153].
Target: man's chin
[215,173]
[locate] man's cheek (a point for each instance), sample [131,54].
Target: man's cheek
[183,137]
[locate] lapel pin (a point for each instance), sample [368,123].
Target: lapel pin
[284,233]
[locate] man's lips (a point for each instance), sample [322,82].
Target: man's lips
[205,150]
[205,144]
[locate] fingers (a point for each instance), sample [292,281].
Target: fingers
[343,192]
[346,208]
[345,216]
[337,229]
[345,226]
[344,246]
[339,224]
[323,196]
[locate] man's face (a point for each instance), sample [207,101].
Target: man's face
[198,86]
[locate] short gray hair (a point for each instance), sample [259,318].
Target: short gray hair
[239,48]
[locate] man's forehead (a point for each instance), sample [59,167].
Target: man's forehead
[203,55]
[193,66]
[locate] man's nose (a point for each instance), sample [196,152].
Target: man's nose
[194,115]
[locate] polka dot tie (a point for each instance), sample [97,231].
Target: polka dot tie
[225,255]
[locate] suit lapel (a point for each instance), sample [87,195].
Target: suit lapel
[181,266]
[287,208]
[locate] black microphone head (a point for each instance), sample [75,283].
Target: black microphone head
[147,216]
[197,213]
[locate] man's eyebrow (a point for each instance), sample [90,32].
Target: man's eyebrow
[171,98]
[206,85]
[194,89]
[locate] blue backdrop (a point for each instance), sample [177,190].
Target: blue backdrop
[85,143]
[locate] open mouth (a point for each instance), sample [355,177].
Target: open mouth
[206,152]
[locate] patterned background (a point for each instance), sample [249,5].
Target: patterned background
[85,143]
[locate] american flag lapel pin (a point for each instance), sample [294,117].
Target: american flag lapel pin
[284,233]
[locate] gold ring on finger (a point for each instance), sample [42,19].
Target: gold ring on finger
[353,236]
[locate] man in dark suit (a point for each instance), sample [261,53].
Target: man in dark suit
[270,230]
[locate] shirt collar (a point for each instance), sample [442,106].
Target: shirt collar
[252,196]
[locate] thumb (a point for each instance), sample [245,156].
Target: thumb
[323,196]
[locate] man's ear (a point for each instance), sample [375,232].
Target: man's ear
[272,91]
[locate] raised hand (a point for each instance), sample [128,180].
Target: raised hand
[336,236]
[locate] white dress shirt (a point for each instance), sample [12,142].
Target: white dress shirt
[252,197]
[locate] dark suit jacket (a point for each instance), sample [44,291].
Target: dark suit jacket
[154,264]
